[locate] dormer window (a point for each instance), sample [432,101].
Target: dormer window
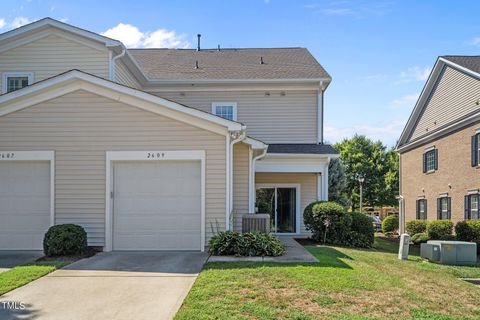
[227,110]
[13,81]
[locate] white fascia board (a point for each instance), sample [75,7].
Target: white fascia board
[460,68]
[237,81]
[112,90]
[60,25]
[254,143]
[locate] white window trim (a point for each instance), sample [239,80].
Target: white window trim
[37,156]
[112,156]
[8,74]
[298,195]
[219,104]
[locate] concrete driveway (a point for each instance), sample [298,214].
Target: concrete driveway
[10,259]
[114,285]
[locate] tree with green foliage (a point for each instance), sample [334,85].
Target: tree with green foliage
[379,166]
[337,182]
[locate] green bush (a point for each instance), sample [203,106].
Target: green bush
[468,231]
[416,226]
[419,238]
[362,233]
[440,229]
[390,224]
[64,240]
[252,244]
[318,214]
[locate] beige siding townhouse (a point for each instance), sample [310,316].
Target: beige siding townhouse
[440,145]
[154,149]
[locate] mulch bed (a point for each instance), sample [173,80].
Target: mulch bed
[91,251]
[306,241]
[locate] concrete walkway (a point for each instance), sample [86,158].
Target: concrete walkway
[12,258]
[294,252]
[114,285]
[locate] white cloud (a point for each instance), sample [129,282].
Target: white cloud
[132,37]
[475,42]
[2,23]
[387,132]
[338,12]
[415,73]
[19,21]
[406,100]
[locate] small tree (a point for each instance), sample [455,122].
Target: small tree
[337,182]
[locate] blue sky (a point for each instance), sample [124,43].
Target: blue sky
[379,53]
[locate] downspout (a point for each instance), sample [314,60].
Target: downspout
[236,139]
[251,207]
[112,65]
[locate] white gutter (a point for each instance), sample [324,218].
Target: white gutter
[112,64]
[251,196]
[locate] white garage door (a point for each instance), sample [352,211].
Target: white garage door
[157,205]
[24,204]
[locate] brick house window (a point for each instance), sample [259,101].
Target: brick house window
[430,160]
[472,202]
[476,150]
[421,209]
[444,208]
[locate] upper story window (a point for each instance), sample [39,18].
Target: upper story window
[421,209]
[472,202]
[430,160]
[476,149]
[444,205]
[227,110]
[16,80]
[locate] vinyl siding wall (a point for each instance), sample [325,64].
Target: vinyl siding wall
[124,76]
[80,127]
[272,119]
[454,97]
[240,183]
[308,188]
[52,55]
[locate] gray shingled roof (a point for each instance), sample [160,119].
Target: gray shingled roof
[235,64]
[304,148]
[469,62]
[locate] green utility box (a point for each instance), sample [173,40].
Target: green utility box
[457,253]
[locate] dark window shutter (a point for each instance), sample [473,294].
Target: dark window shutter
[475,150]
[418,209]
[449,208]
[436,159]
[424,162]
[467,208]
[439,208]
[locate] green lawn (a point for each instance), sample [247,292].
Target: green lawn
[21,275]
[345,284]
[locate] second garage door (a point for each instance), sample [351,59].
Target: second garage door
[157,205]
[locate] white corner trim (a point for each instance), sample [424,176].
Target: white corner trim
[36,156]
[8,74]
[150,155]
[225,104]
[298,199]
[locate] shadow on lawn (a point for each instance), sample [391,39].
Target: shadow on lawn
[328,258]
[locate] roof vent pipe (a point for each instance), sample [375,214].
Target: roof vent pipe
[198,41]
[196,64]
[261,60]
[218,49]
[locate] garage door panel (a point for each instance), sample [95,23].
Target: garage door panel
[157,205]
[24,204]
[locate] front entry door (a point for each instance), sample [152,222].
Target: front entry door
[281,204]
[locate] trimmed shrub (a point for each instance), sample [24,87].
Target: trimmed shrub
[416,226]
[65,240]
[419,238]
[468,230]
[252,244]
[320,214]
[390,224]
[440,229]
[362,233]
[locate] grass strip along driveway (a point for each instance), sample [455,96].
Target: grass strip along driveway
[21,275]
[346,284]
